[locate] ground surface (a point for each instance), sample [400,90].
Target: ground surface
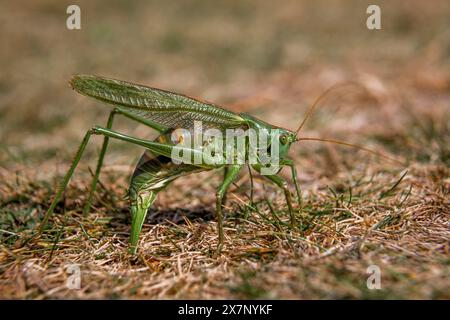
[271,60]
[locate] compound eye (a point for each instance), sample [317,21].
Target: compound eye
[283,139]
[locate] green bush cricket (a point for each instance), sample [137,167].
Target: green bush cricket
[167,112]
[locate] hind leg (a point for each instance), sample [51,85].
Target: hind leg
[76,160]
[105,146]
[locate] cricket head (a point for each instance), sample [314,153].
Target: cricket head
[285,140]
[283,137]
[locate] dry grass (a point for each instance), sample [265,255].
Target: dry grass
[357,210]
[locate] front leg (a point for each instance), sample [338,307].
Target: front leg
[290,163]
[230,175]
[281,182]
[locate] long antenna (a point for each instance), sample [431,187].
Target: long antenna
[353,146]
[332,88]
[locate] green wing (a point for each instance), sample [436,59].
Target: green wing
[163,107]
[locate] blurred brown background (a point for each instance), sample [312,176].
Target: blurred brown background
[273,58]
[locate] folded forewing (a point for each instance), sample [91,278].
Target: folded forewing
[163,107]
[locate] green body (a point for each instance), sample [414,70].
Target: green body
[166,112]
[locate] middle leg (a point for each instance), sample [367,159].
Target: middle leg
[231,175]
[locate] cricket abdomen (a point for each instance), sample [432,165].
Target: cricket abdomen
[152,174]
